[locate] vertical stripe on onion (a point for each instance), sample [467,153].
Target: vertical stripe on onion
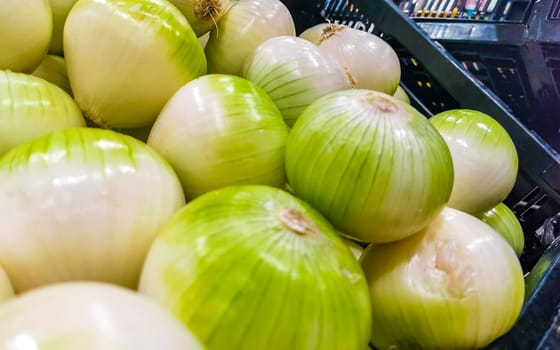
[221,130]
[484,158]
[294,73]
[60,10]
[26,30]
[504,221]
[92,316]
[126,58]
[455,285]
[82,204]
[371,164]
[202,15]
[253,267]
[31,107]
[245,26]
[369,59]
[53,70]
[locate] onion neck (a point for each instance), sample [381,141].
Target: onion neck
[207,10]
[295,221]
[94,121]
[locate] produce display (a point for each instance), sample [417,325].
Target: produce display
[193,175]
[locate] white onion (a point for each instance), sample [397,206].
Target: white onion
[89,316]
[31,107]
[202,15]
[60,10]
[484,159]
[127,58]
[82,204]
[245,26]
[26,29]
[369,59]
[221,130]
[457,284]
[53,70]
[294,73]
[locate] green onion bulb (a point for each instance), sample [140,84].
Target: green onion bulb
[373,165]
[245,26]
[294,73]
[504,221]
[89,316]
[60,10]
[26,30]
[126,58]
[202,15]
[253,267]
[82,204]
[484,158]
[457,284]
[53,70]
[221,130]
[31,107]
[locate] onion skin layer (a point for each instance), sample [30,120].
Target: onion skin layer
[374,166]
[89,316]
[82,204]
[457,284]
[504,221]
[31,107]
[126,58]
[253,267]
[221,130]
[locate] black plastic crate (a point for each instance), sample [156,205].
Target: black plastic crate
[436,81]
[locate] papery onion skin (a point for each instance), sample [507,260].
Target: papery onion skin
[89,316]
[401,95]
[372,63]
[504,221]
[221,130]
[253,267]
[60,10]
[82,204]
[484,158]
[457,284]
[26,28]
[53,70]
[31,107]
[245,26]
[6,289]
[374,166]
[202,15]
[126,58]
[294,73]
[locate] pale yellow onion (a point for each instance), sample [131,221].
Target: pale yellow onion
[53,69]
[60,10]
[202,15]
[25,33]
[245,26]
[369,59]
[457,284]
[126,58]
[90,316]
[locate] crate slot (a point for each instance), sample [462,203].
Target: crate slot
[555,11]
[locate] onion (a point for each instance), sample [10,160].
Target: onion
[401,95]
[455,285]
[504,221]
[53,70]
[202,15]
[294,73]
[89,316]
[371,164]
[26,28]
[6,289]
[484,159]
[253,267]
[60,10]
[221,130]
[82,204]
[368,59]
[30,107]
[127,58]
[245,26]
